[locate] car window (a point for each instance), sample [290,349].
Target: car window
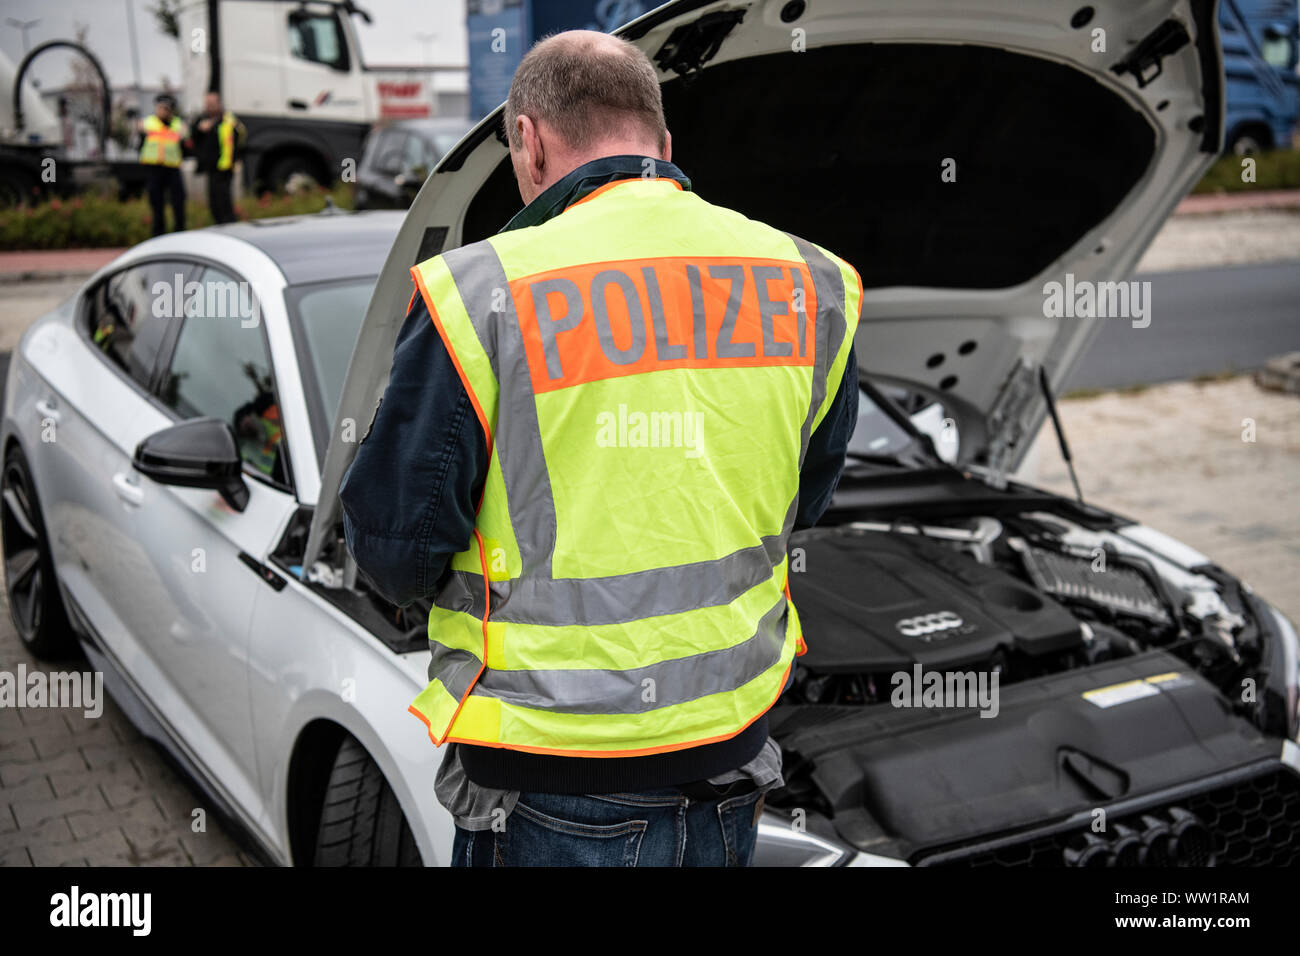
[221,368]
[326,319]
[1277,50]
[418,156]
[130,312]
[388,154]
[444,141]
[317,37]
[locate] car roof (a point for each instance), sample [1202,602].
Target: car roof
[436,124]
[319,247]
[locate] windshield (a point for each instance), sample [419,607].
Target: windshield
[876,434]
[326,318]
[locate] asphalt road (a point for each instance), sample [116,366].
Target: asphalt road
[1203,322]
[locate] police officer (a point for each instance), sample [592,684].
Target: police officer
[601,426]
[218,142]
[165,137]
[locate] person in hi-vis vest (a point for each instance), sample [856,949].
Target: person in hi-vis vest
[601,427]
[218,143]
[165,139]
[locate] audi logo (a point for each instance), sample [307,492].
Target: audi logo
[1176,837]
[927,624]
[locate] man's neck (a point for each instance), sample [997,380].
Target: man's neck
[582,180]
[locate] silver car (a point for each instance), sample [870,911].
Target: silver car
[174,439]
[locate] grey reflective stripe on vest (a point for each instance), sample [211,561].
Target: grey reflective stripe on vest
[454,667]
[831,326]
[481,281]
[589,691]
[617,599]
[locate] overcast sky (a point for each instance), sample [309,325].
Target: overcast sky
[393,37]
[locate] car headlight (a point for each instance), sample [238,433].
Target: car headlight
[1290,651]
[780,844]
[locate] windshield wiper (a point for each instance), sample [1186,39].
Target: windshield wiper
[873,459]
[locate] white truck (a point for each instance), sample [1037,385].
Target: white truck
[293,73]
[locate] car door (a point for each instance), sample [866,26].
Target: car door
[383,165]
[94,404]
[192,605]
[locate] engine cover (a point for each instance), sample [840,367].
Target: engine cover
[873,601]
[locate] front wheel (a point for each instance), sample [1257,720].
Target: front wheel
[361,823]
[34,601]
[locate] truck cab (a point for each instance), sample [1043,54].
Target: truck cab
[293,73]
[1259,40]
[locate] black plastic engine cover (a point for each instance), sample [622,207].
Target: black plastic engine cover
[872,601]
[1059,745]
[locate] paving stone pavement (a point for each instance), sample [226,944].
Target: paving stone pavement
[83,791]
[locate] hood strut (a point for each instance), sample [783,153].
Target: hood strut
[1060,432]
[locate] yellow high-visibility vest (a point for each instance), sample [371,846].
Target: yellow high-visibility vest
[647,369]
[162,143]
[227,130]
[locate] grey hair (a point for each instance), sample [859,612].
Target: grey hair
[586,91]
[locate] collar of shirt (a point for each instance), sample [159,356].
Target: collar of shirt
[587,178]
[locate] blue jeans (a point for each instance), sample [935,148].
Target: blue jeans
[651,828]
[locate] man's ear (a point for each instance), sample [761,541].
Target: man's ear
[533,149]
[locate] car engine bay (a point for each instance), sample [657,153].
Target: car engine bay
[1118,673]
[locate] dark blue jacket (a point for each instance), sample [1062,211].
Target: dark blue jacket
[409,497]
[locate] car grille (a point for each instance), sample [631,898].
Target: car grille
[1249,822]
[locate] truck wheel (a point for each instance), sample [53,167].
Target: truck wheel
[1249,141]
[34,601]
[361,823]
[288,172]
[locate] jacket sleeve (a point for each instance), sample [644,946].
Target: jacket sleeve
[410,496]
[824,462]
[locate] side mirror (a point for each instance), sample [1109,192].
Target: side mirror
[200,453]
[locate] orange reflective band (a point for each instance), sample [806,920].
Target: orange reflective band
[608,319]
[618,182]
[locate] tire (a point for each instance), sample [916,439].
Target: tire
[291,168]
[1249,141]
[35,604]
[361,823]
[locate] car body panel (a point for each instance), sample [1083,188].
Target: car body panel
[161,583]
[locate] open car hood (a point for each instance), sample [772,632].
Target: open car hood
[961,155]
